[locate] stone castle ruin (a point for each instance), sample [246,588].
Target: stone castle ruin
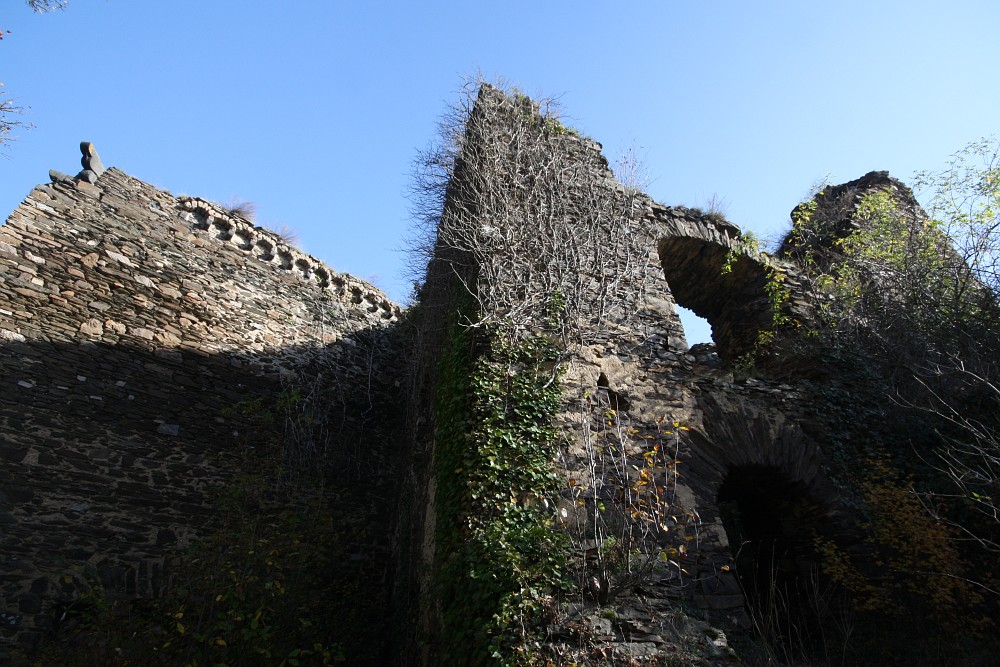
[649,499]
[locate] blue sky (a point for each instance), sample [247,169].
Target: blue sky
[315,110]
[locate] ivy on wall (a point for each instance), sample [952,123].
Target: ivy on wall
[500,557]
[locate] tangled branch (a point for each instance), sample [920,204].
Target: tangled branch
[529,218]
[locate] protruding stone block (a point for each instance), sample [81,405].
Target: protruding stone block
[59,177]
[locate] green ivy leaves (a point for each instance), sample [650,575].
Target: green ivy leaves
[494,452]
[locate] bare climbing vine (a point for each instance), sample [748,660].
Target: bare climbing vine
[528,229]
[625,514]
[528,236]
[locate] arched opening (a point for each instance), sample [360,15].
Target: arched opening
[773,526]
[728,293]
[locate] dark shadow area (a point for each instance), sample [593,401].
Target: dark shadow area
[772,526]
[138,484]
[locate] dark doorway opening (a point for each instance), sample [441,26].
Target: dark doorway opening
[773,526]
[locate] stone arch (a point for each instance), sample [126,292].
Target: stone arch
[731,295]
[202,220]
[222,228]
[243,239]
[763,494]
[771,523]
[304,269]
[265,250]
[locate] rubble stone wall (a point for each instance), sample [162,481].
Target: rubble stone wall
[630,380]
[130,320]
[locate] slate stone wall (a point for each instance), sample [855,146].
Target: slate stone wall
[129,321]
[628,377]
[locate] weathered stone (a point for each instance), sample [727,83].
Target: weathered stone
[173,356]
[12,453]
[118,257]
[29,603]
[165,536]
[103,385]
[92,327]
[90,160]
[59,177]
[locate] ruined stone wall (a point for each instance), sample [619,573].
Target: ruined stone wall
[632,390]
[130,320]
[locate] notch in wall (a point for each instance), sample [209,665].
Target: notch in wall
[615,400]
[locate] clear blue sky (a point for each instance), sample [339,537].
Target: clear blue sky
[314,110]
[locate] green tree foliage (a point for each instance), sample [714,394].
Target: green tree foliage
[908,297]
[963,388]
[916,289]
[964,199]
[919,293]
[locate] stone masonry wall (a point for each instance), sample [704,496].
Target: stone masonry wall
[129,321]
[630,379]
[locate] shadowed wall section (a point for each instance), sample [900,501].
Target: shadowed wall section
[130,323]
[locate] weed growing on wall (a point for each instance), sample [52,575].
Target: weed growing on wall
[776,289]
[625,511]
